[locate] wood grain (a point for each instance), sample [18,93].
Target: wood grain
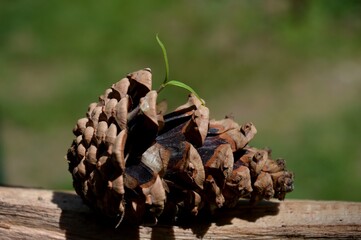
[45,214]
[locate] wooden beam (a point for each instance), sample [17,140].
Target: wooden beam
[45,214]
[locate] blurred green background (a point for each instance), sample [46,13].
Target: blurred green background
[293,68]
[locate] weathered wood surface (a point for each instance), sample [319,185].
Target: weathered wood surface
[45,214]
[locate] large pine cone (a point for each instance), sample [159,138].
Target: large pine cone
[134,164]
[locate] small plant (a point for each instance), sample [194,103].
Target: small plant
[168,82]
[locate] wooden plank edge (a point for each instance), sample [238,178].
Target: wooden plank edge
[35,213]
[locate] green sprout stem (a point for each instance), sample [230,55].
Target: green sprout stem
[166,81]
[185,86]
[165,56]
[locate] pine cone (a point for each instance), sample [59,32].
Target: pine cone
[133,163]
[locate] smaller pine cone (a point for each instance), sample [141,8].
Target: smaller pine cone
[134,164]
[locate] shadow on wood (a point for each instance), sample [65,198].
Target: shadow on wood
[222,217]
[79,222]
[87,223]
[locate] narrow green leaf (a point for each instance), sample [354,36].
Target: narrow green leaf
[185,86]
[165,59]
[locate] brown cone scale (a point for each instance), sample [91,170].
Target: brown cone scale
[135,164]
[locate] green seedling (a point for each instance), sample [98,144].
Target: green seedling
[168,82]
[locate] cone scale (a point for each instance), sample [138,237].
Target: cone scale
[134,164]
